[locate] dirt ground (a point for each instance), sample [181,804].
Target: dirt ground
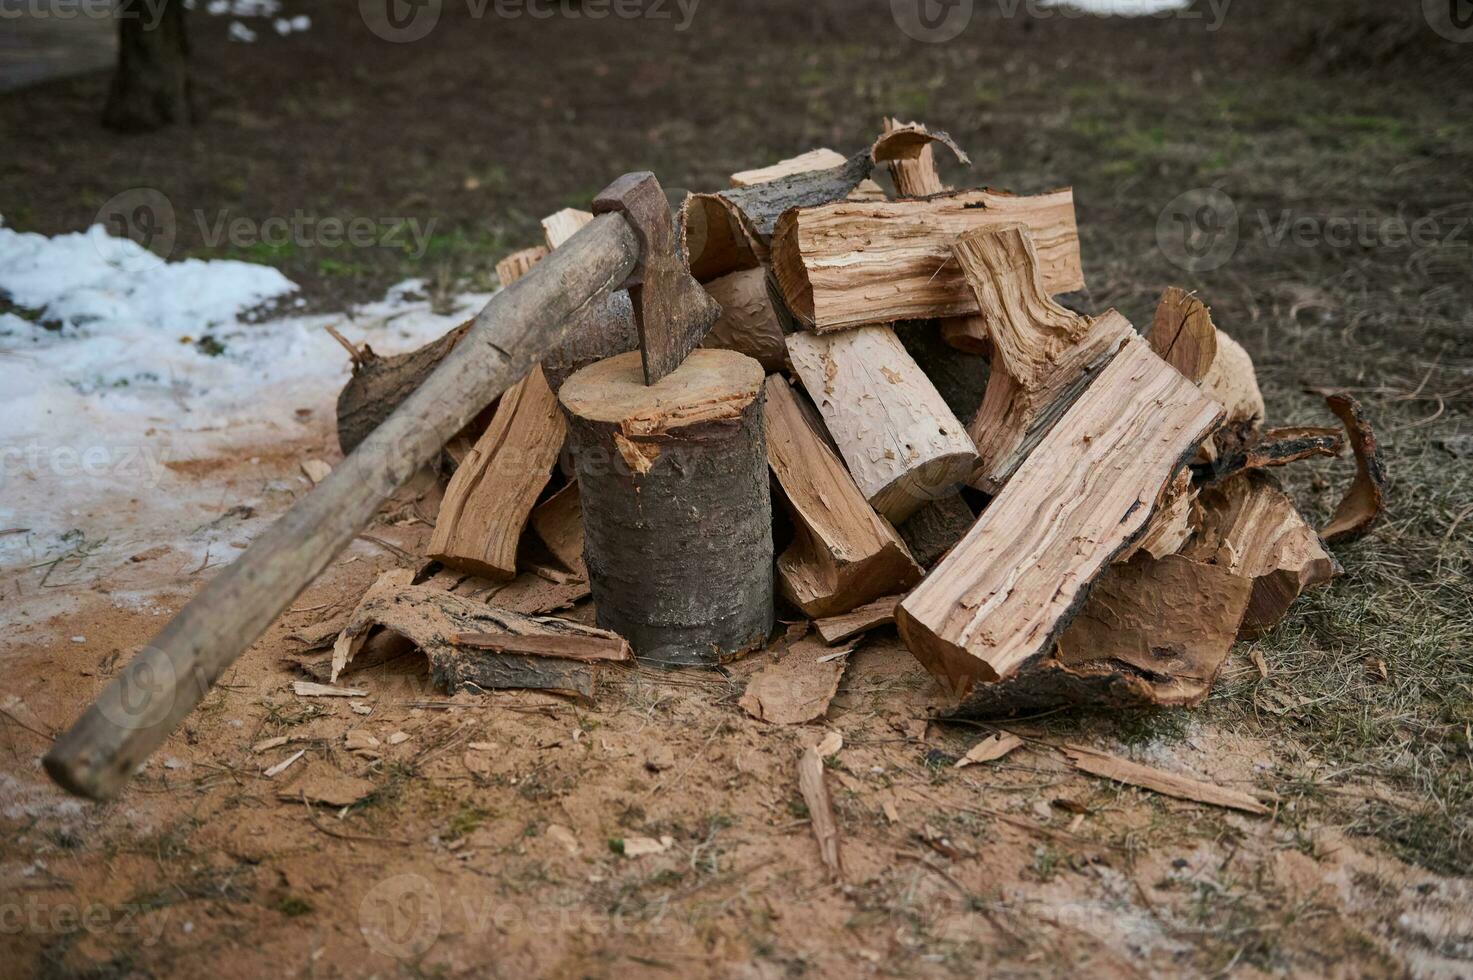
[493,842]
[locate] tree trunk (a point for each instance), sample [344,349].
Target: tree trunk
[150,88]
[676,507]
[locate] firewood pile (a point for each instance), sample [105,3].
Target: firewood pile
[906,414]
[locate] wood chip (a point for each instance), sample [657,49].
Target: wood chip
[990,749]
[820,810]
[316,470]
[266,745]
[637,847]
[307,689]
[1120,770]
[797,688]
[837,629]
[284,764]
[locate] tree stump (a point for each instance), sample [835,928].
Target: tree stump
[676,507]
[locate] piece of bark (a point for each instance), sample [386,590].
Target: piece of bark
[677,510]
[1365,501]
[492,494]
[843,554]
[1003,595]
[1238,450]
[960,377]
[797,688]
[1153,633]
[1251,528]
[519,263]
[1183,335]
[990,749]
[909,149]
[749,324]
[562,225]
[845,265]
[820,810]
[558,521]
[731,230]
[380,384]
[932,531]
[1043,355]
[837,629]
[584,648]
[1112,767]
[902,445]
[431,619]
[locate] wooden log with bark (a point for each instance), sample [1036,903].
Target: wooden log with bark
[845,265]
[676,507]
[749,321]
[492,493]
[843,554]
[1043,356]
[1005,593]
[605,328]
[901,443]
[931,532]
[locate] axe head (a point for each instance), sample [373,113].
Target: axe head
[671,310]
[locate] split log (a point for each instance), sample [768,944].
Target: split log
[558,521]
[492,494]
[381,384]
[1006,592]
[843,554]
[837,629]
[1184,335]
[518,264]
[749,322]
[1043,356]
[1252,528]
[804,163]
[562,225]
[845,265]
[1154,633]
[902,444]
[1362,505]
[677,512]
[909,149]
[931,532]
[1175,520]
[431,619]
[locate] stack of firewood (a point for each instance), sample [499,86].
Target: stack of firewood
[1051,507]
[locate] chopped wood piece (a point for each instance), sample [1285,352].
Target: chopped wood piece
[307,689]
[902,444]
[431,619]
[1003,595]
[749,324]
[731,230]
[1252,528]
[558,521]
[837,629]
[820,159]
[284,764]
[1043,355]
[1176,519]
[1240,449]
[589,649]
[990,749]
[492,494]
[907,148]
[1102,764]
[315,470]
[959,377]
[820,810]
[1183,335]
[518,264]
[932,531]
[843,554]
[797,688]
[380,384]
[563,225]
[677,508]
[845,265]
[1365,502]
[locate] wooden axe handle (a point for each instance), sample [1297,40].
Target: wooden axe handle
[168,678]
